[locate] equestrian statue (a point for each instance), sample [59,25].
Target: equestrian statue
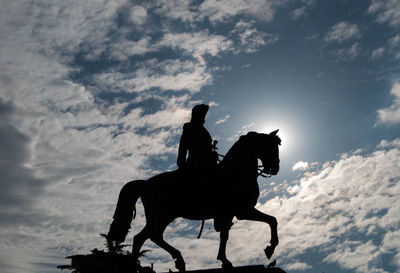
[200,189]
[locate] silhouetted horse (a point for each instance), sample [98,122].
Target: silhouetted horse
[234,192]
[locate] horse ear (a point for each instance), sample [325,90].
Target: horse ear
[274,133]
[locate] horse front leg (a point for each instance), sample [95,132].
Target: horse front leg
[224,235]
[156,235]
[176,254]
[256,215]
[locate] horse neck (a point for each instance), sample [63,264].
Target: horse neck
[239,157]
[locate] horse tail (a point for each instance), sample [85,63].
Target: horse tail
[125,210]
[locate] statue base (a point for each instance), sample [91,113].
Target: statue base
[241,269]
[100,261]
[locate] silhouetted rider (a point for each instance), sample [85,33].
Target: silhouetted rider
[202,160]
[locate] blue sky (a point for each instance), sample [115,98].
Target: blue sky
[94,94]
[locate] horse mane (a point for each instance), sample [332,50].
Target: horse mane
[247,144]
[240,147]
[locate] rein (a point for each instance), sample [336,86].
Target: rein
[260,171]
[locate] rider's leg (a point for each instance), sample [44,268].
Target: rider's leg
[256,215]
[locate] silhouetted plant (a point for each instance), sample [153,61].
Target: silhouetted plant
[113,246]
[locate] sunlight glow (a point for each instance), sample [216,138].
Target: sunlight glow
[285,133]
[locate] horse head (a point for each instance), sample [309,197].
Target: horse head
[266,148]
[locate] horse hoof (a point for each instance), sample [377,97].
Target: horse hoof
[269,250]
[180,265]
[227,265]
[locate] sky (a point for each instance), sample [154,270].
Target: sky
[94,94]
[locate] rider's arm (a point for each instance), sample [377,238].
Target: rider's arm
[183,147]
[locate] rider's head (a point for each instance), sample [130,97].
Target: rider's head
[199,113]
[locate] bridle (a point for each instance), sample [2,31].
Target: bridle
[261,172]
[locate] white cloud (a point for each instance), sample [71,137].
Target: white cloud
[222,120]
[357,151]
[173,75]
[217,11]
[303,10]
[213,104]
[85,29]
[388,144]
[391,243]
[57,28]
[394,42]
[301,165]
[356,255]
[124,49]
[298,13]
[356,195]
[342,31]
[241,131]
[298,266]
[386,11]
[220,11]
[249,125]
[251,38]
[391,48]
[199,43]
[391,114]
[177,9]
[346,54]
[138,15]
[378,52]
[353,51]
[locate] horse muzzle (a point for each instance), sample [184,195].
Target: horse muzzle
[271,170]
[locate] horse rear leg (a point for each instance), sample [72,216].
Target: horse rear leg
[157,237]
[224,235]
[256,215]
[139,240]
